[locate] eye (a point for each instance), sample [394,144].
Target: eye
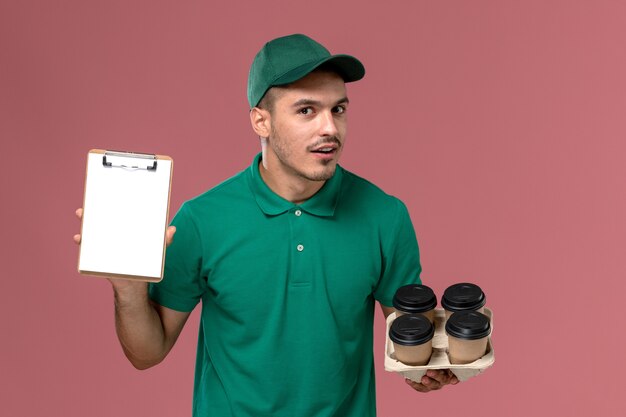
[339,109]
[305,110]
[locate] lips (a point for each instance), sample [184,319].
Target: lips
[325,148]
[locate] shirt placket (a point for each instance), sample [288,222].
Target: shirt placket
[299,247]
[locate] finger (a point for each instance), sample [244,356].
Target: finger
[417,386]
[79,214]
[452,379]
[430,383]
[440,375]
[169,235]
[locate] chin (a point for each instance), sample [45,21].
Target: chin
[324,174]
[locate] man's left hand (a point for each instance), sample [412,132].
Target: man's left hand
[433,380]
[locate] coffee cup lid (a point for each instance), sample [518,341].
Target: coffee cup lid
[463,296]
[469,325]
[411,330]
[414,298]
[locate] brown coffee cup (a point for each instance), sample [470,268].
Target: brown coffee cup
[412,336]
[468,334]
[415,298]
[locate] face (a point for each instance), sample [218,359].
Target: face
[307,128]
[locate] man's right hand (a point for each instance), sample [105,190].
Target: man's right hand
[147,331]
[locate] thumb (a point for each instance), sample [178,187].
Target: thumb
[169,235]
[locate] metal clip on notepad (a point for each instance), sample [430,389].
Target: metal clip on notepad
[131,160]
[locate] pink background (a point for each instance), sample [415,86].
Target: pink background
[500,124]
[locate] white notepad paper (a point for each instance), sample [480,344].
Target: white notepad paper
[125,215]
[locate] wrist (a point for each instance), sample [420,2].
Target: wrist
[129,293]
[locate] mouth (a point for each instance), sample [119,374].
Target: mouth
[326,149]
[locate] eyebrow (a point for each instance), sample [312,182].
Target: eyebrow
[309,102]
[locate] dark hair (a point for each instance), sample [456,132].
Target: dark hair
[269,98]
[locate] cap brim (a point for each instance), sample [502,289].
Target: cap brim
[348,67]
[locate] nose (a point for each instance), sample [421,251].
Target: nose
[328,126]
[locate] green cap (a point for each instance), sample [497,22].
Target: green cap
[289,58]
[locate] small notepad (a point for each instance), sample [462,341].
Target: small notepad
[125,215]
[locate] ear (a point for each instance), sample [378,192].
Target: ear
[261,122]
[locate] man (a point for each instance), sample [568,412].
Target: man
[287,258]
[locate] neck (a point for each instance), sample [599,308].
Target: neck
[290,187]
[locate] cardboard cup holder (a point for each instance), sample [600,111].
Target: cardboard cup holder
[439,358]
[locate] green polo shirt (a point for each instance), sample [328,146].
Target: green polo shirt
[287,293]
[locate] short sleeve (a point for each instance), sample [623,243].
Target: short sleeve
[182,285]
[401,258]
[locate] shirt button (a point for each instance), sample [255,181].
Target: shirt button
[300,248]
[298,213]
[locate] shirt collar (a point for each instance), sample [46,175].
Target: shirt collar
[322,203]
